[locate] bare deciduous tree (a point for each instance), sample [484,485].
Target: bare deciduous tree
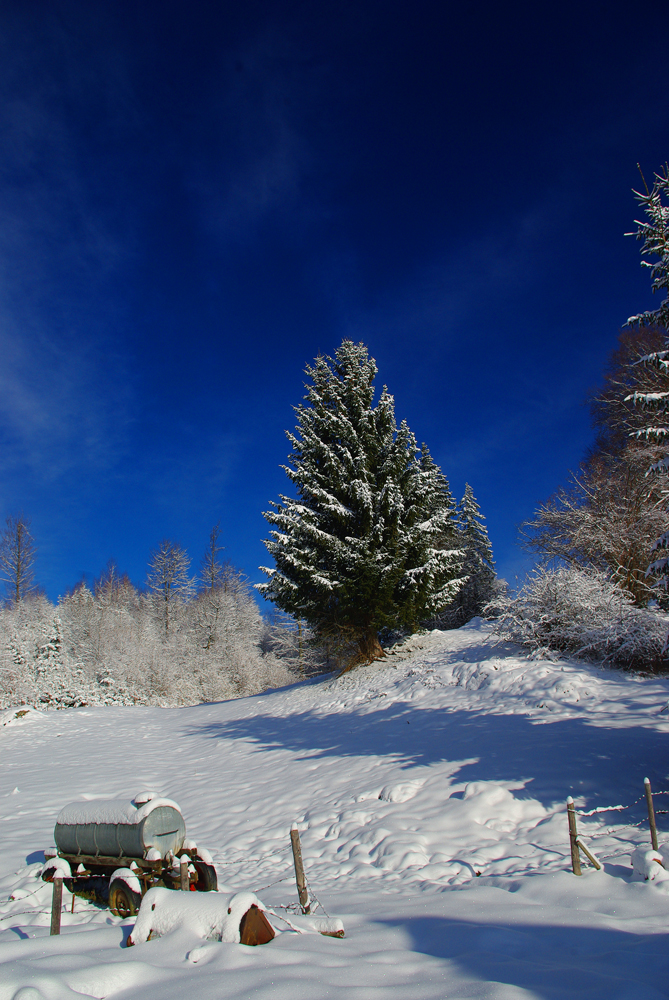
[606,519]
[115,589]
[168,581]
[211,570]
[17,557]
[610,513]
[582,613]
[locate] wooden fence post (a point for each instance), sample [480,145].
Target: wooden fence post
[56,903]
[591,857]
[302,893]
[183,873]
[573,838]
[651,812]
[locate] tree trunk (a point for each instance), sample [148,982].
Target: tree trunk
[369,649]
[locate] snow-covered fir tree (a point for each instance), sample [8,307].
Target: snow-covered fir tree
[479,565]
[357,550]
[60,682]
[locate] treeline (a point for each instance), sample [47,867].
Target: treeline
[182,640]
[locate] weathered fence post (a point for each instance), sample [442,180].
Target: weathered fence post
[651,812]
[573,838]
[56,903]
[591,857]
[302,892]
[183,873]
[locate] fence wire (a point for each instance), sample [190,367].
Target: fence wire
[611,831]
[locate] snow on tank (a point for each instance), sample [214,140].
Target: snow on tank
[116,828]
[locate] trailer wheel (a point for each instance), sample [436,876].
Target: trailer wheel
[207,880]
[123,901]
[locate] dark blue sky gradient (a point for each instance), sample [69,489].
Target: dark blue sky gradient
[197,198]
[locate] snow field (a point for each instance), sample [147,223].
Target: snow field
[429,791]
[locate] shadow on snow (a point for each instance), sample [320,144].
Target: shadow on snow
[553,963]
[563,757]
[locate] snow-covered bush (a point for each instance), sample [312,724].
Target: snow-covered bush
[582,613]
[294,644]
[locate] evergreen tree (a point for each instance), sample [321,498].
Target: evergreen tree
[58,682]
[654,234]
[356,551]
[479,565]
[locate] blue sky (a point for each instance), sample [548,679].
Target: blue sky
[197,198]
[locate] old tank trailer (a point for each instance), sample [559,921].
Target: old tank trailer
[117,851]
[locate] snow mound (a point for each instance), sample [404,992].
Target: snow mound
[16,716]
[212,916]
[403,792]
[648,865]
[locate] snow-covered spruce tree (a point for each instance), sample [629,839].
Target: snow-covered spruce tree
[478,569]
[479,565]
[356,550]
[60,683]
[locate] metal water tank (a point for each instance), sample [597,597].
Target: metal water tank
[117,829]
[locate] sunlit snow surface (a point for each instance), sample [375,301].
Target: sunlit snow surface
[430,792]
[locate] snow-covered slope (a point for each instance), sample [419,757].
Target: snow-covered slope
[430,792]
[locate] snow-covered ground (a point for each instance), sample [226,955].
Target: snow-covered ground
[430,793]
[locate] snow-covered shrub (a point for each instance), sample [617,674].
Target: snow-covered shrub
[580,612]
[294,645]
